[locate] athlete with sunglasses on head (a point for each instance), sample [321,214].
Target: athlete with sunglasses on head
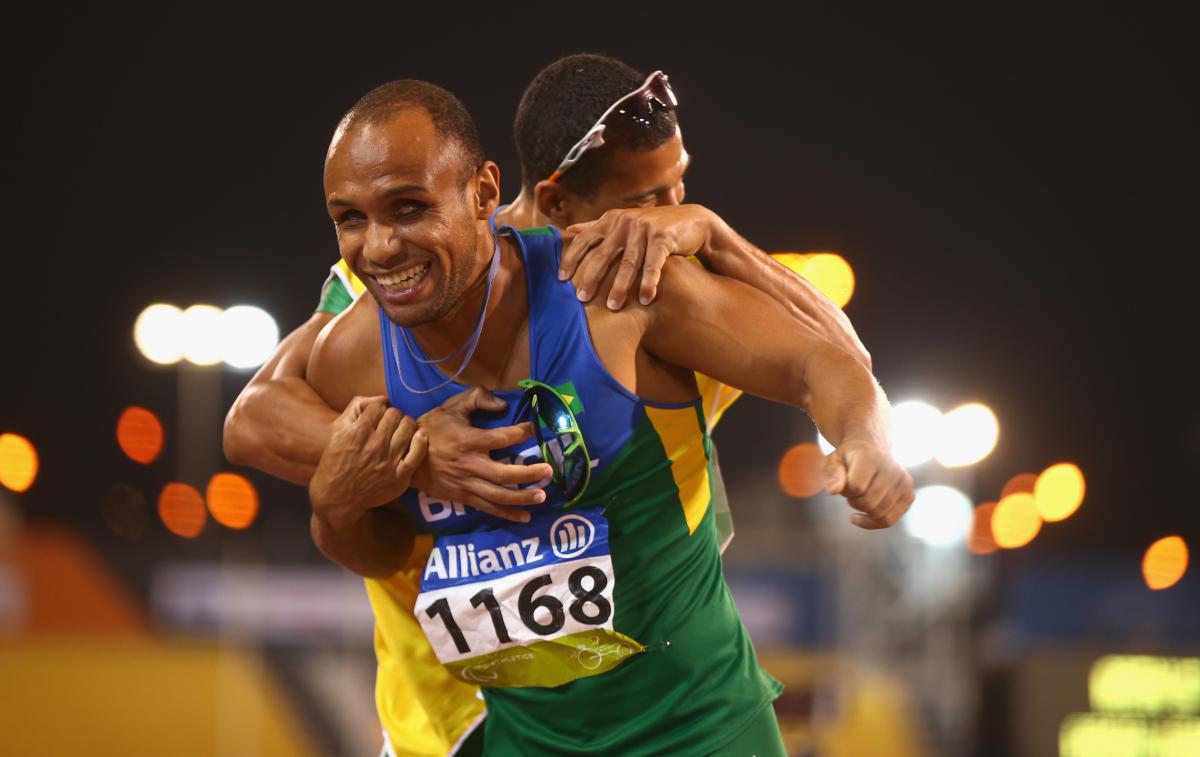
[606,626]
[281,426]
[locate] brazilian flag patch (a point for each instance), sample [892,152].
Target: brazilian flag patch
[571,396]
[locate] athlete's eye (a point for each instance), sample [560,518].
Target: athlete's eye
[408,210]
[351,219]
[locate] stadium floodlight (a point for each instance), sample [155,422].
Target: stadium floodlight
[939,516]
[202,334]
[248,336]
[916,429]
[968,434]
[158,333]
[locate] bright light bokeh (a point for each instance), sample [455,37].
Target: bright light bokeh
[140,435]
[916,429]
[1058,492]
[794,261]
[939,516]
[202,334]
[830,273]
[232,500]
[1165,562]
[1146,685]
[1096,735]
[1015,521]
[18,462]
[968,434]
[249,336]
[158,333]
[182,510]
[980,541]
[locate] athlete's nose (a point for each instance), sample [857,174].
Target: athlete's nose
[381,245]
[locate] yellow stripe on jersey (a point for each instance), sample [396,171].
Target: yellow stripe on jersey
[352,283]
[686,445]
[423,708]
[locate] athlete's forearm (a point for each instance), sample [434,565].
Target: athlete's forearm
[844,400]
[729,254]
[375,546]
[279,424]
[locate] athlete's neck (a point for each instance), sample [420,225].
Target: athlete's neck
[522,213]
[504,325]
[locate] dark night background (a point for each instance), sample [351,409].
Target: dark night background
[1016,191]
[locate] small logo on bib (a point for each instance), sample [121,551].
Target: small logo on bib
[571,535]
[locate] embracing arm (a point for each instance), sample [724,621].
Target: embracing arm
[738,335]
[644,238]
[278,423]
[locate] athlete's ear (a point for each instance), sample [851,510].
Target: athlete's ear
[487,189]
[555,202]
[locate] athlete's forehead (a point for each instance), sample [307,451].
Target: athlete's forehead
[637,174]
[402,150]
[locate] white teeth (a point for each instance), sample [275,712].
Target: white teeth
[404,278]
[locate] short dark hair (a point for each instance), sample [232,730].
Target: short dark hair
[561,104]
[449,116]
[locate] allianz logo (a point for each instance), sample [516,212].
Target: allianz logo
[434,509]
[464,561]
[570,536]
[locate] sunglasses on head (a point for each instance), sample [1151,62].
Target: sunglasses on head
[553,421]
[637,106]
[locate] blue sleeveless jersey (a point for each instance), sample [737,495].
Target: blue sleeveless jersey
[606,628]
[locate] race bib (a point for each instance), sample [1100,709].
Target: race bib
[524,605]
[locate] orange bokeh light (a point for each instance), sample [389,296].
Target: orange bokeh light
[800,471]
[1015,521]
[1165,562]
[1059,491]
[140,434]
[232,500]
[18,462]
[980,540]
[182,510]
[1022,482]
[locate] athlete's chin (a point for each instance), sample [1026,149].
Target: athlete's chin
[415,306]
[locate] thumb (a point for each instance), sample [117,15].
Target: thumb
[358,404]
[479,398]
[833,468]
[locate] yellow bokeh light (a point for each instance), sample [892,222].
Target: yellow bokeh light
[232,500]
[794,261]
[800,471]
[1165,562]
[1015,521]
[1097,735]
[182,510]
[1145,684]
[830,273]
[980,541]
[140,434]
[1058,492]
[18,462]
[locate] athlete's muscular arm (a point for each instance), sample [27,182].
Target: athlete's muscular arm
[278,424]
[369,462]
[738,335]
[643,239]
[347,362]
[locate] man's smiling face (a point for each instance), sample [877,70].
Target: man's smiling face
[406,212]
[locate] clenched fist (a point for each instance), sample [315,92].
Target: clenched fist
[369,461]
[872,482]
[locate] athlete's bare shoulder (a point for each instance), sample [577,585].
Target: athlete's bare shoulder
[347,359]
